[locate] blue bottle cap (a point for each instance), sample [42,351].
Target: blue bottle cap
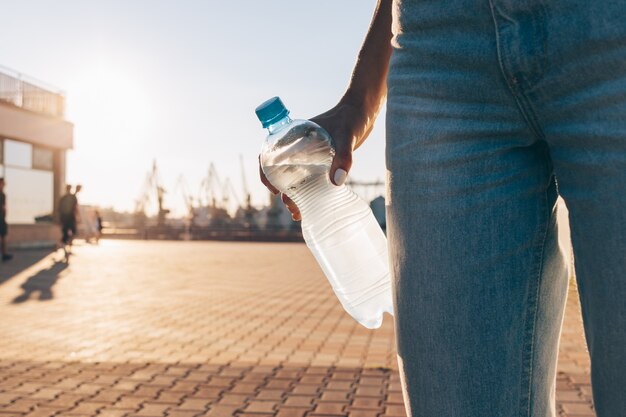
[271,111]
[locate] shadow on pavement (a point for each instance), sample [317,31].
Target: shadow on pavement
[41,282]
[22,260]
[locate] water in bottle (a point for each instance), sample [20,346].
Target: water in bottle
[339,228]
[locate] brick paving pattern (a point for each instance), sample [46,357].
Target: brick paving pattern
[186,329]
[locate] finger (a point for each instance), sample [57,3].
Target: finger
[342,162]
[295,212]
[264,179]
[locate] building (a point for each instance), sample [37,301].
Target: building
[34,137]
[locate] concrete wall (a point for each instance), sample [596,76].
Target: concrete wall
[27,126]
[50,132]
[33,235]
[60,168]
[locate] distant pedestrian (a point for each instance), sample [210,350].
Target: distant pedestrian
[68,207]
[82,219]
[99,225]
[4,227]
[85,219]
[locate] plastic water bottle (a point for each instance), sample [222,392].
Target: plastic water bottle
[338,227]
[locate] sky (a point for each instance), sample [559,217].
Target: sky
[178,81]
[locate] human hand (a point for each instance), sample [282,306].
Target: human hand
[348,127]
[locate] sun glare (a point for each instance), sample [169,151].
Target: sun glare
[112,114]
[111,104]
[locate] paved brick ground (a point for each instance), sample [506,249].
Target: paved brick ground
[186,329]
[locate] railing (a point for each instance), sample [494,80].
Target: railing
[29,94]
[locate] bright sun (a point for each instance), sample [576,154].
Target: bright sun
[113,119]
[113,97]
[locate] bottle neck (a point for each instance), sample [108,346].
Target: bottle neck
[278,125]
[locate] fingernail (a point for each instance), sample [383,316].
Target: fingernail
[340,176]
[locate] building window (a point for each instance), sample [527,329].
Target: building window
[43,158]
[29,182]
[29,195]
[18,154]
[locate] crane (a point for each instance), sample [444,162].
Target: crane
[215,194]
[228,191]
[181,184]
[152,190]
[248,210]
[246,190]
[210,187]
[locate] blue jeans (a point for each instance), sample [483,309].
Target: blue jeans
[496,107]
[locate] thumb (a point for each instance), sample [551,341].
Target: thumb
[342,162]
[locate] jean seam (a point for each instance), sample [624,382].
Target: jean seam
[536,69]
[534,325]
[523,104]
[543,60]
[538,278]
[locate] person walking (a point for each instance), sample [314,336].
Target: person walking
[4,227]
[494,109]
[85,221]
[68,210]
[99,225]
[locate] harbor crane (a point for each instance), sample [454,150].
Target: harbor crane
[152,191]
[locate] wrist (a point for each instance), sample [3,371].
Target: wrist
[355,105]
[364,105]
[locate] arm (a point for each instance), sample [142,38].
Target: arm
[352,119]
